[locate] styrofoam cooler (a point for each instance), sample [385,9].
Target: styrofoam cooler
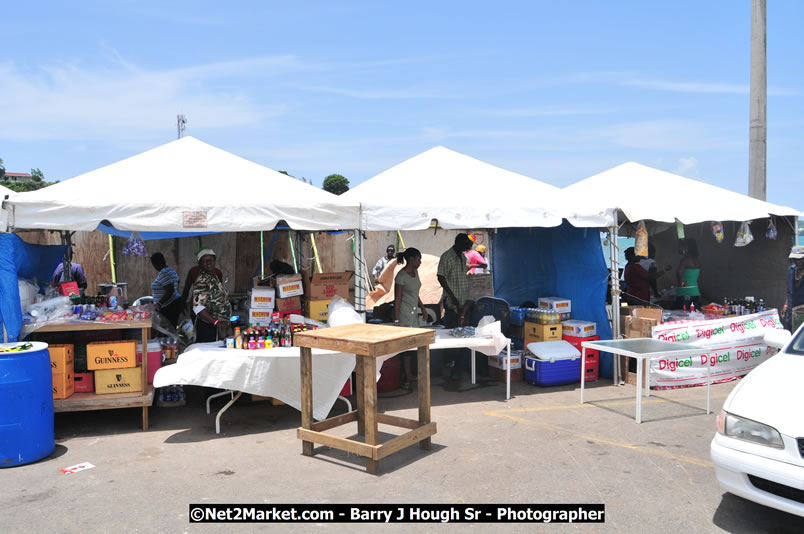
[552,363]
[154,357]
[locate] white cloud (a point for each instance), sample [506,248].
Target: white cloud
[69,101]
[688,167]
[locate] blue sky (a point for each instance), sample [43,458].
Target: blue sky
[554,90]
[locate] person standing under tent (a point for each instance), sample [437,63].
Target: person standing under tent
[477,260]
[189,280]
[688,292]
[165,289]
[379,267]
[637,279]
[452,276]
[77,272]
[795,290]
[210,301]
[408,307]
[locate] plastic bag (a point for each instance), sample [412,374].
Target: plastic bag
[135,246]
[342,313]
[641,241]
[744,235]
[717,231]
[771,232]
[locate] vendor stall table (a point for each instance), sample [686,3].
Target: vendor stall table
[367,342]
[79,402]
[642,349]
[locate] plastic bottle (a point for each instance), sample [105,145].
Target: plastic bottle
[260,342]
[251,343]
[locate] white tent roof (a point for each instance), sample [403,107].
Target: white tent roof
[461,192]
[183,186]
[645,193]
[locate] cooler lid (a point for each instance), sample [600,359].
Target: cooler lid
[553,350]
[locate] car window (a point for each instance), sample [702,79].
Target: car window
[797,346]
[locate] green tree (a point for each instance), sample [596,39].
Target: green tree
[22,187]
[2,170]
[336,184]
[38,175]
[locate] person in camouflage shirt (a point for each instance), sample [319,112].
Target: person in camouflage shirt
[210,301]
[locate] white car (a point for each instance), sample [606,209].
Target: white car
[758,451]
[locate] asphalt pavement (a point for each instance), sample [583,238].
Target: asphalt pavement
[540,447]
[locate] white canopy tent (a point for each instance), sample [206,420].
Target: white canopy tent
[462,192]
[645,193]
[182,186]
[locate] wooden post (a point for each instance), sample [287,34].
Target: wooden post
[423,357]
[306,369]
[369,365]
[361,420]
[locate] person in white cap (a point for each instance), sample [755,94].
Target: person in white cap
[795,289]
[210,301]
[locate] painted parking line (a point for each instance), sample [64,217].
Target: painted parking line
[653,451]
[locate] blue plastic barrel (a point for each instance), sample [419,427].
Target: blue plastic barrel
[26,405]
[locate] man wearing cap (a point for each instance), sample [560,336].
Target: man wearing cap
[795,290]
[210,301]
[457,306]
[379,267]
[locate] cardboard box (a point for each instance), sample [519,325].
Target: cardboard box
[641,311]
[324,286]
[559,304]
[128,380]
[289,303]
[500,361]
[63,385]
[579,328]
[111,355]
[262,298]
[62,359]
[629,376]
[633,327]
[499,374]
[480,285]
[260,398]
[260,317]
[84,382]
[69,289]
[318,310]
[535,332]
[289,285]
[284,314]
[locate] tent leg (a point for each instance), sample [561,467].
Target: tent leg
[615,298]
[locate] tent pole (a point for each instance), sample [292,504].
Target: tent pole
[362,275]
[315,252]
[401,241]
[292,253]
[615,297]
[262,256]
[111,259]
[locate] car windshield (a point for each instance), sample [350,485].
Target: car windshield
[797,346]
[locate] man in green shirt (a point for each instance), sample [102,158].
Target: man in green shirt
[457,306]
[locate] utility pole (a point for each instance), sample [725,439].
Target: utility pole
[181,122]
[758,134]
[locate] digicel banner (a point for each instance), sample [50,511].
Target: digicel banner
[730,347]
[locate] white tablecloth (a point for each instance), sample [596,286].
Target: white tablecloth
[268,372]
[275,372]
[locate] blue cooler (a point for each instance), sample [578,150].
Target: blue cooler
[26,405]
[552,363]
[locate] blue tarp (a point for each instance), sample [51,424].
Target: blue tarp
[147,236]
[19,259]
[564,261]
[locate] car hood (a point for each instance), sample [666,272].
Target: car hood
[773,394]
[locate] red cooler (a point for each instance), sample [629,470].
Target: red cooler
[154,357]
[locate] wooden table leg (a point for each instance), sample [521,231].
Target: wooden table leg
[306,369]
[361,422]
[369,366]
[145,418]
[423,357]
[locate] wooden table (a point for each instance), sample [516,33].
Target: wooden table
[79,402]
[367,342]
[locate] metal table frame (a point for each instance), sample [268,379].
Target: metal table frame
[642,349]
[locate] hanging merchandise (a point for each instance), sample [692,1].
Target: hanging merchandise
[717,231]
[641,241]
[744,235]
[771,232]
[680,229]
[135,246]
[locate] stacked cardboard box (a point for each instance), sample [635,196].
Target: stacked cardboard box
[115,366]
[62,367]
[323,287]
[636,322]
